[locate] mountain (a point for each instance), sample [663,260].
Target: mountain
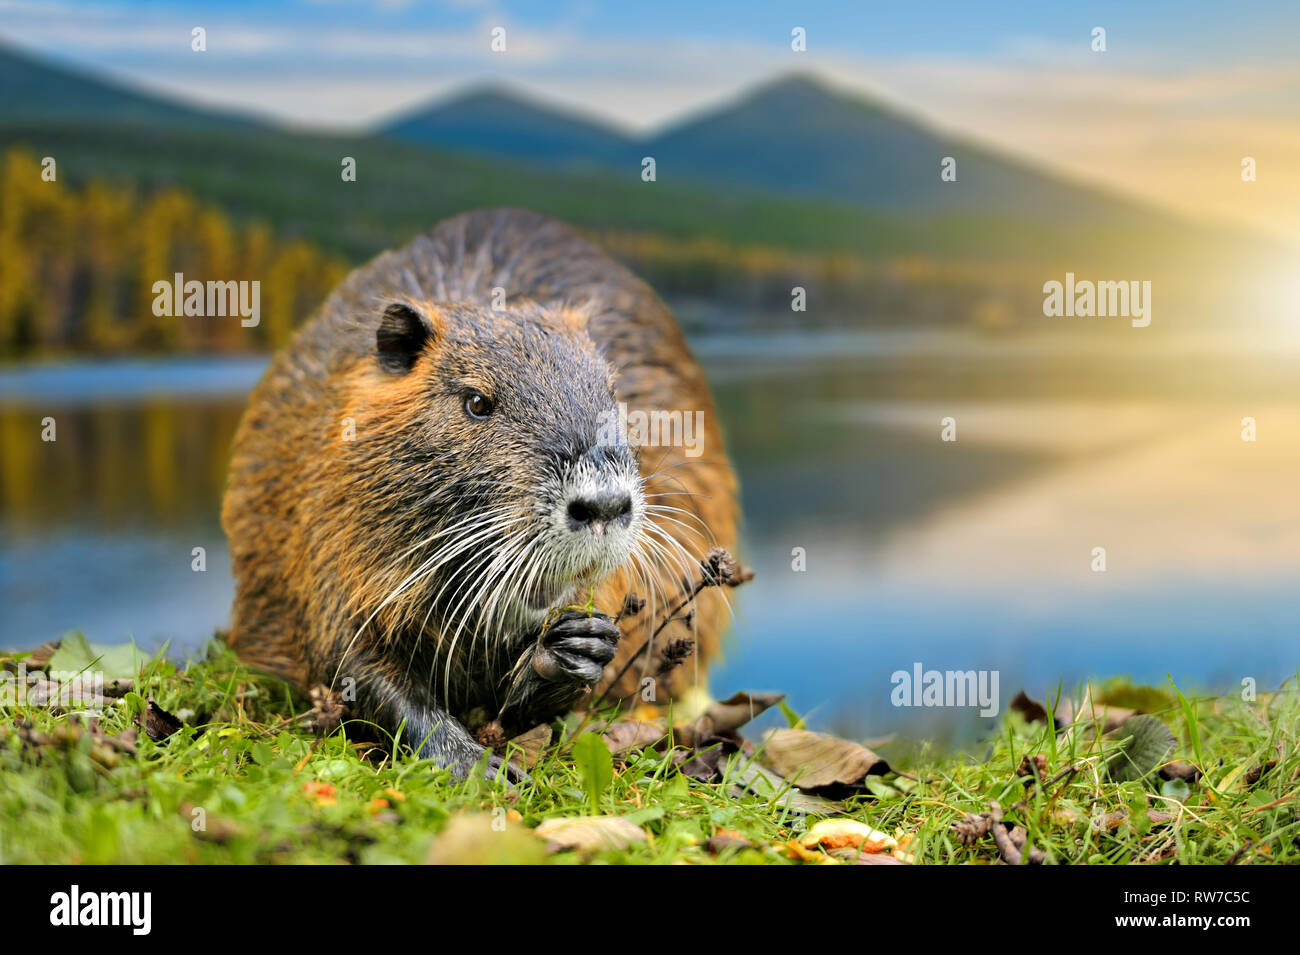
[792,184]
[793,166]
[34,90]
[798,137]
[794,137]
[493,121]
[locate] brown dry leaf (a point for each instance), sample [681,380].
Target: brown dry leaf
[1256,773]
[1178,769]
[1068,713]
[1030,709]
[590,833]
[625,735]
[811,760]
[847,834]
[708,763]
[37,659]
[527,748]
[157,722]
[118,688]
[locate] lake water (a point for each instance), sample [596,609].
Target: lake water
[974,554]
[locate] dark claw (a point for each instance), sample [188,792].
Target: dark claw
[499,766]
[464,757]
[576,648]
[584,657]
[495,769]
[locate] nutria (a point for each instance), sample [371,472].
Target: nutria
[421,486]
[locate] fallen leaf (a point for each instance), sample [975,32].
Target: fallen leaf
[1138,699]
[1177,769]
[766,784]
[1255,773]
[846,833]
[589,833]
[477,839]
[527,748]
[708,763]
[75,654]
[812,760]
[972,828]
[158,723]
[1030,709]
[1068,713]
[796,851]
[41,655]
[627,735]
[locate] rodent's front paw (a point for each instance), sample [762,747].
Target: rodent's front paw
[576,647]
[450,746]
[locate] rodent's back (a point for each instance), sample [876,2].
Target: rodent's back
[280,479]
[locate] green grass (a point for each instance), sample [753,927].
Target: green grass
[269,793]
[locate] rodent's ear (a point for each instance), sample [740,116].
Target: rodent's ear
[401,335]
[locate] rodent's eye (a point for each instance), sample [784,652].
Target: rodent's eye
[477,406]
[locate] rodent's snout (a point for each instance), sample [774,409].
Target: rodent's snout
[596,509]
[599,496]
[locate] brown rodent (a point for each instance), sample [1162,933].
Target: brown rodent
[421,484]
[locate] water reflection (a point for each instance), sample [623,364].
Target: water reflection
[973,554]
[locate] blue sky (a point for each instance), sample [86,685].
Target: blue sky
[959,27]
[1184,90]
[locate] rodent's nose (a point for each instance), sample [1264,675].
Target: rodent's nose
[598,510]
